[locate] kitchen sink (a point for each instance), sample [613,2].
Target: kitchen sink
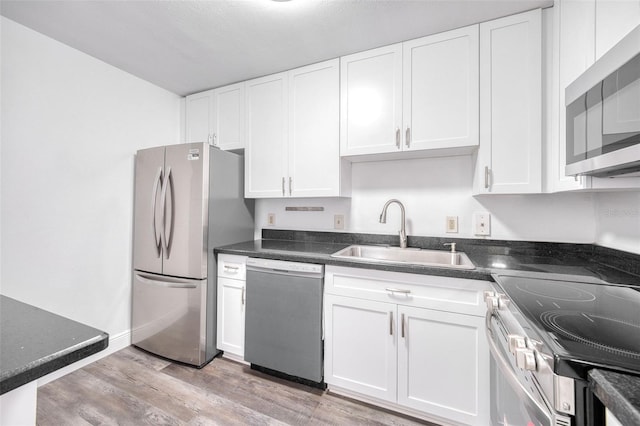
[408,256]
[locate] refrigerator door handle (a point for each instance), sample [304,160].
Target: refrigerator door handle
[165,281]
[154,197]
[166,236]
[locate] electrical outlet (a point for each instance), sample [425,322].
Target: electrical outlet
[338,221]
[271,219]
[482,223]
[452,224]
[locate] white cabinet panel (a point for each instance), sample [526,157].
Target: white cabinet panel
[510,154]
[441,91]
[614,20]
[231,287]
[266,153]
[231,303]
[228,117]
[198,116]
[429,361]
[450,350]
[293,146]
[314,133]
[371,101]
[360,346]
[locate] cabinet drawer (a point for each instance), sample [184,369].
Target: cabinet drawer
[426,291]
[232,266]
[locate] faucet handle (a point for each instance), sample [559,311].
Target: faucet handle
[453,246]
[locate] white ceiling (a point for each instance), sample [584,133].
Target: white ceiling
[190,46]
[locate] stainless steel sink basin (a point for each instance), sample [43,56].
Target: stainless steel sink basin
[412,256]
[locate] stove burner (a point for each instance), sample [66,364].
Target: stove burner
[613,333]
[556,291]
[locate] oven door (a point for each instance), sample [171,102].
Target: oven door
[515,397]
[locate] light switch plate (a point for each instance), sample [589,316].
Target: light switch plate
[482,223]
[338,221]
[271,219]
[452,224]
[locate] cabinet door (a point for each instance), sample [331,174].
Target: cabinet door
[228,117]
[371,101]
[614,20]
[441,93]
[231,304]
[443,364]
[360,346]
[510,153]
[198,117]
[314,133]
[267,140]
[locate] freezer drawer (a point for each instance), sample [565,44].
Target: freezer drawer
[169,317]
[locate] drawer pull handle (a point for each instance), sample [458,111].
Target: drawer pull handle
[231,268]
[391,323]
[402,322]
[397,290]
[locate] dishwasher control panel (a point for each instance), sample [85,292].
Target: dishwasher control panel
[284,266]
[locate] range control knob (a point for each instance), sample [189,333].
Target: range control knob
[526,359]
[516,342]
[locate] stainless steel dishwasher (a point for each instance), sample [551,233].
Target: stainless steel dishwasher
[283,320]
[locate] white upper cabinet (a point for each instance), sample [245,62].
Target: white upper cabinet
[583,30]
[267,136]
[217,117]
[510,155]
[293,147]
[228,117]
[440,91]
[314,130]
[371,101]
[415,96]
[199,109]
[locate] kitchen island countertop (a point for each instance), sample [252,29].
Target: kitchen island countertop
[36,342]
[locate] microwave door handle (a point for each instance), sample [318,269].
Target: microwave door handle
[154,198]
[504,366]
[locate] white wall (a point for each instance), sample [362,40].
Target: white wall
[71,125]
[618,220]
[432,189]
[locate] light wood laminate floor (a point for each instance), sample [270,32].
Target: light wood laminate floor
[131,387]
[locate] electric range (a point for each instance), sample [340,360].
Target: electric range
[548,330]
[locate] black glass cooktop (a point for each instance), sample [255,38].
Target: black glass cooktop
[583,324]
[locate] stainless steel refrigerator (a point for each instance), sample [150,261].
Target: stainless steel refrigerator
[189,198]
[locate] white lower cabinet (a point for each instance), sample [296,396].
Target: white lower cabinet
[422,351]
[231,305]
[360,346]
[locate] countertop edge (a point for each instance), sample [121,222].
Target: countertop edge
[620,393]
[56,361]
[481,274]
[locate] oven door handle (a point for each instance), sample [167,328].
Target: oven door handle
[510,374]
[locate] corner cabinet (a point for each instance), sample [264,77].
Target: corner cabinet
[412,343]
[509,160]
[293,134]
[231,305]
[217,117]
[418,95]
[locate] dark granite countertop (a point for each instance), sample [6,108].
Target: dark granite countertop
[489,256]
[36,342]
[620,393]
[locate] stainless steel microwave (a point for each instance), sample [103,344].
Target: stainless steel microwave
[603,114]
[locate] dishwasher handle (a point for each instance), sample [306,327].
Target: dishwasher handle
[280,267]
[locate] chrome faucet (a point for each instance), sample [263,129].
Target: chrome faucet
[383,219]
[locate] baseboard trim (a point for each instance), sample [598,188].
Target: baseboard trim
[116,342]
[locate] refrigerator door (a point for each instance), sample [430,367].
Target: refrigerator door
[185,195]
[169,317]
[149,173]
